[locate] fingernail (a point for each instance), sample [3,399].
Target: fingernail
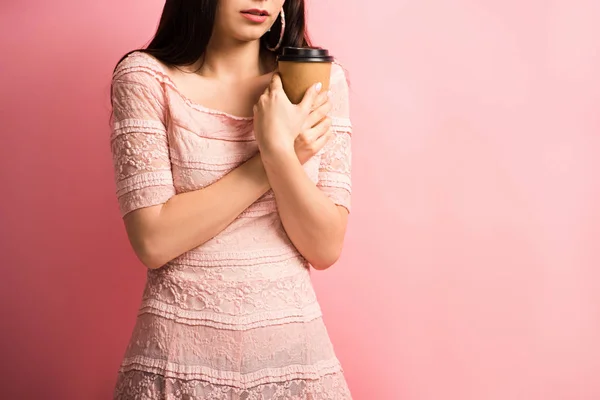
[318,87]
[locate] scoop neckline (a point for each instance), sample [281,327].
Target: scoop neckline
[162,71]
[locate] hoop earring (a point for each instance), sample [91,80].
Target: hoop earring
[278,45]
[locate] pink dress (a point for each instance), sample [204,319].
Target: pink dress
[235,318]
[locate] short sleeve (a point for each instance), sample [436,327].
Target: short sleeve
[139,145]
[336,160]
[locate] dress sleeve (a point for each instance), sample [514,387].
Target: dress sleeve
[336,159]
[139,145]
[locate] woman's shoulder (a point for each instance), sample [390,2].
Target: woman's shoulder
[339,75]
[139,66]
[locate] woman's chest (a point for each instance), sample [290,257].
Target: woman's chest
[206,145]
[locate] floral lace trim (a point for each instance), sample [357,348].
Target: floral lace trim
[338,154]
[145,197]
[335,180]
[140,61]
[341,124]
[340,197]
[204,348]
[211,163]
[139,385]
[145,180]
[130,125]
[221,128]
[283,266]
[188,296]
[232,322]
[231,378]
[336,169]
[201,258]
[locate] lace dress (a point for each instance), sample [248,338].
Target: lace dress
[235,318]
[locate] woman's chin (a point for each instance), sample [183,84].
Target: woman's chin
[250,35]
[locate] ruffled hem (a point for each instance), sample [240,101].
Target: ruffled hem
[231,378]
[140,385]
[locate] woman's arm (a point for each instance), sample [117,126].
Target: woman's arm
[314,216]
[163,232]
[313,222]
[162,225]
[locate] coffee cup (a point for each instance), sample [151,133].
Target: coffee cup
[302,67]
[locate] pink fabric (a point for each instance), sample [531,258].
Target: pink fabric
[236,318]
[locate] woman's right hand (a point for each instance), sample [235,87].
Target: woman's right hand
[318,129]
[281,127]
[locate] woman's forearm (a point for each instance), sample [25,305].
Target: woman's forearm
[312,221]
[161,233]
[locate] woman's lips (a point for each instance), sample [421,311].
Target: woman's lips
[258,16]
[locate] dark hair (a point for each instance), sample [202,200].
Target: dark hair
[186,26]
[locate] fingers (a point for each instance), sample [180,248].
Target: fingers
[322,140]
[313,134]
[310,96]
[311,141]
[276,82]
[318,114]
[321,99]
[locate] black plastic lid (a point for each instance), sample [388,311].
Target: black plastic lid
[305,54]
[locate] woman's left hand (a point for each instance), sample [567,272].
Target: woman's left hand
[277,122]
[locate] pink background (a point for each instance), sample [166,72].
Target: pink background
[471,265]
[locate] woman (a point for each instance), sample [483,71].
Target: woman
[229,194]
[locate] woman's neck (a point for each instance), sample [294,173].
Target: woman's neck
[229,60]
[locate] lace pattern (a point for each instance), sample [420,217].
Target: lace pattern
[336,158]
[235,318]
[139,144]
[236,298]
[148,386]
[239,357]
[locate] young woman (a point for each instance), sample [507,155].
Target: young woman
[229,194]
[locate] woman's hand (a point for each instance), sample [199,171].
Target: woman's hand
[281,127]
[317,130]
